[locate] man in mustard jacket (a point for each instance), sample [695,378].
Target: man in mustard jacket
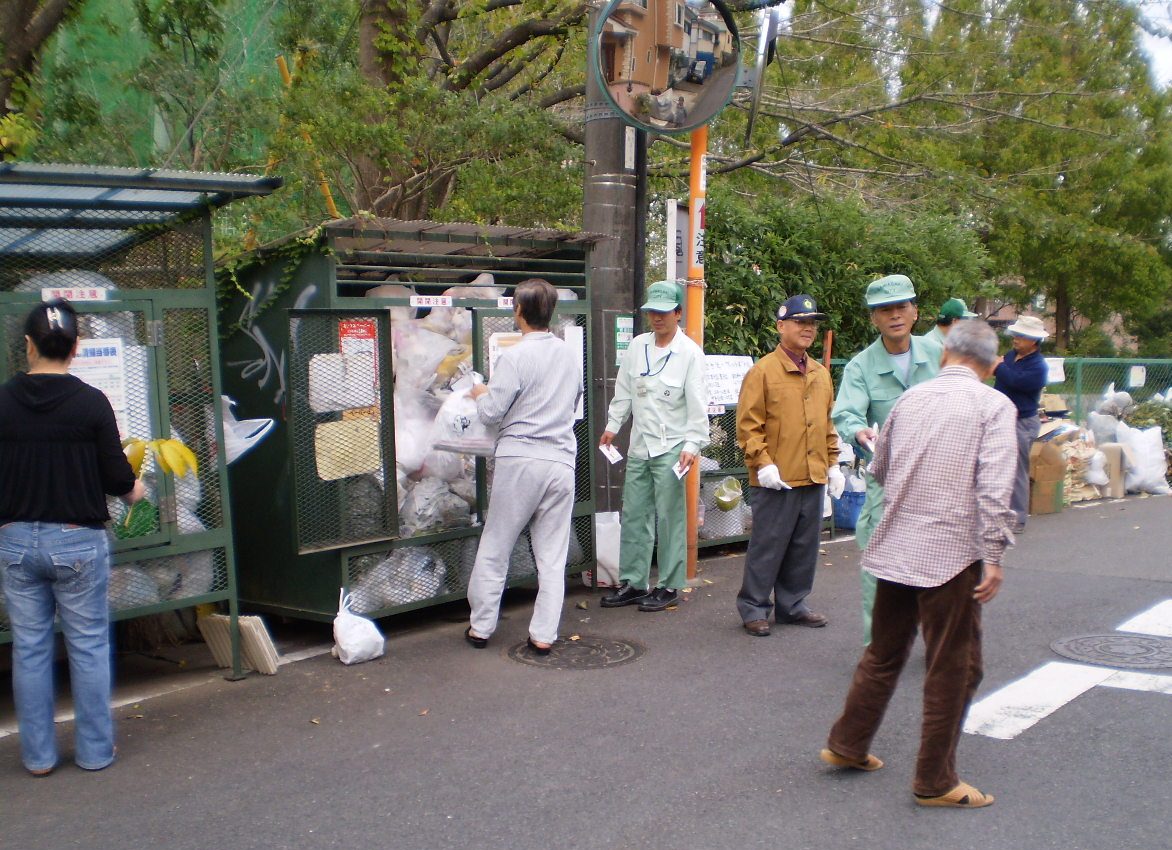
[791,449]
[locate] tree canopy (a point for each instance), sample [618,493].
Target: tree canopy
[1030,130]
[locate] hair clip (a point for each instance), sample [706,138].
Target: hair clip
[54,317]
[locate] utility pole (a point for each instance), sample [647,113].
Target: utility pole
[609,209]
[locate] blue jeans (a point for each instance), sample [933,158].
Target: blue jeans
[54,569]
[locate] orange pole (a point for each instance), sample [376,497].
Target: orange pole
[694,325]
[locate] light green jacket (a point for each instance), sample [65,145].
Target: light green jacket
[668,401]
[870,386]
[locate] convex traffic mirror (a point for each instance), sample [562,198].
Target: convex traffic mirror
[667,66]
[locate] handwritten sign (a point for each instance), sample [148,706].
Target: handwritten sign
[725,373]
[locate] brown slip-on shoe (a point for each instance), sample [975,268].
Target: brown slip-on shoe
[963,796]
[835,760]
[757,628]
[807,618]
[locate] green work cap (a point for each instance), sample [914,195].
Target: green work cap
[954,308]
[893,289]
[663,296]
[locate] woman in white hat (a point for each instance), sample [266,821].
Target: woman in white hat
[1021,374]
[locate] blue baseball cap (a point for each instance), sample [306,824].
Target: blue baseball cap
[799,307]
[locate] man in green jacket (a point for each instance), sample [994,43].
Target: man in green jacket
[872,382]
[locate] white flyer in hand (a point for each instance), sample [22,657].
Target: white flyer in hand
[610,453]
[679,472]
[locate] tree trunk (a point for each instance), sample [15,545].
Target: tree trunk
[1062,317]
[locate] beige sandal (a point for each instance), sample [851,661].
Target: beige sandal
[835,760]
[963,796]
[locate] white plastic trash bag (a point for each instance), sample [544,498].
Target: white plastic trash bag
[1147,463]
[356,639]
[458,427]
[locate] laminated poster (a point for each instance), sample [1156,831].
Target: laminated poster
[101,364]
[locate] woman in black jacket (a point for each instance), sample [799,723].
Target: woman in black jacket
[60,455]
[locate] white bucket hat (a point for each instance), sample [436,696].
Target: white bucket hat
[1028,326]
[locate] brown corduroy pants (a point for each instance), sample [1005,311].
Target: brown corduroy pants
[950,620]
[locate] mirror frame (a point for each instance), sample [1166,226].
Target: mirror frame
[595,60]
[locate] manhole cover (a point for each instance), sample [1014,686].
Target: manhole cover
[585,653]
[1140,652]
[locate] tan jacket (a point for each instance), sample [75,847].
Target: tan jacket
[783,418]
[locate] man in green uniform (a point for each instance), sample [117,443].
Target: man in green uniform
[661,387]
[871,383]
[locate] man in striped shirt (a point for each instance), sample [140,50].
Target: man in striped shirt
[946,459]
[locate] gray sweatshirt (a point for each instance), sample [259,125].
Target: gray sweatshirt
[532,396]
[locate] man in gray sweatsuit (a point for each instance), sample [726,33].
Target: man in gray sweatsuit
[532,396]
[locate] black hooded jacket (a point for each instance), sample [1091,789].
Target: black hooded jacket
[60,454]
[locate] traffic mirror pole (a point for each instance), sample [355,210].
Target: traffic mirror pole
[694,323]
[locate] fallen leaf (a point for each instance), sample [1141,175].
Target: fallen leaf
[315,721]
[827,564]
[708,581]
[821,551]
[424,712]
[686,590]
[575,637]
[583,605]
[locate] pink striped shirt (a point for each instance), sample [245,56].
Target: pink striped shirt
[946,458]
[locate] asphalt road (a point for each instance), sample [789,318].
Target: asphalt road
[709,740]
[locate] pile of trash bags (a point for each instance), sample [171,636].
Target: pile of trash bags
[432,358]
[1143,441]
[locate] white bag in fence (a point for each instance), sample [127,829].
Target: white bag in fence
[356,639]
[458,427]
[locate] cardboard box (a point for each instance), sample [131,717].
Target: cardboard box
[1114,469]
[1047,462]
[1046,497]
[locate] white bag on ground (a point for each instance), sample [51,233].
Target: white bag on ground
[606,550]
[356,639]
[1146,446]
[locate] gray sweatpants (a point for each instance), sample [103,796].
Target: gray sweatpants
[783,553]
[540,494]
[1027,432]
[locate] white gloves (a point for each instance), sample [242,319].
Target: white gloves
[835,481]
[770,478]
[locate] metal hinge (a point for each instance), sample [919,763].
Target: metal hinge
[168,509]
[154,331]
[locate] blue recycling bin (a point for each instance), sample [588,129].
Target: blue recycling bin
[847,508]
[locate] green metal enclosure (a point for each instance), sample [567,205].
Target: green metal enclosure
[131,250]
[349,340]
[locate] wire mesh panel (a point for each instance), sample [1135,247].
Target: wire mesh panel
[144,256]
[407,575]
[187,349]
[170,578]
[339,429]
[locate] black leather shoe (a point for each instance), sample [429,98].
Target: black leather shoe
[660,600]
[625,595]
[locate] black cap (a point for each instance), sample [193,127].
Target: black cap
[799,307]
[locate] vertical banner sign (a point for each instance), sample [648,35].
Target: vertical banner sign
[697,258]
[624,332]
[677,240]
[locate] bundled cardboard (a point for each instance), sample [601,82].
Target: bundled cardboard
[1114,453]
[1047,475]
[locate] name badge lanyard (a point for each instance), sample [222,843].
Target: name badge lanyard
[647,373]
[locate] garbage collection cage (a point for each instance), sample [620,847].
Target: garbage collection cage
[350,339]
[131,250]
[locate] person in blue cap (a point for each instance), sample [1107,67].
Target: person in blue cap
[872,382]
[791,450]
[660,386]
